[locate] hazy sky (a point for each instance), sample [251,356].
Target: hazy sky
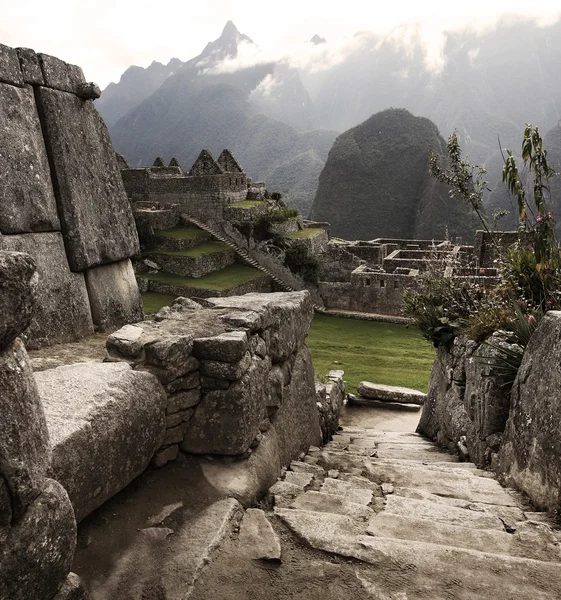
[104,37]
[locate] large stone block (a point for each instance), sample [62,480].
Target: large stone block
[287,314]
[63,310]
[18,294]
[30,66]
[96,216]
[114,296]
[25,453]
[106,422]
[60,75]
[297,420]
[10,71]
[530,456]
[227,421]
[27,201]
[227,347]
[38,552]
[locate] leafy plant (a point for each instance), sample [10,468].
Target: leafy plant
[466,181]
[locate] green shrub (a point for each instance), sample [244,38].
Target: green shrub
[300,261]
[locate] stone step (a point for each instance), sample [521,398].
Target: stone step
[257,539]
[440,513]
[389,393]
[194,262]
[233,280]
[334,504]
[179,238]
[413,569]
[529,541]
[416,452]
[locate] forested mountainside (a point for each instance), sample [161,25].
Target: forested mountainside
[375,183]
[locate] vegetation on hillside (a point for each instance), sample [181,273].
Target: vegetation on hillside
[375,183]
[529,269]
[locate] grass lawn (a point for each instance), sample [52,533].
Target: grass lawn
[197,251]
[306,233]
[224,279]
[188,232]
[370,351]
[246,204]
[153,301]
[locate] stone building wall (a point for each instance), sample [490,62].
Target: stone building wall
[232,372]
[63,198]
[202,193]
[514,432]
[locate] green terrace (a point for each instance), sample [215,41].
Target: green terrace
[371,351]
[153,301]
[246,204]
[219,281]
[196,251]
[306,233]
[184,232]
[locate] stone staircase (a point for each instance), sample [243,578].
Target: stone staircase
[186,260]
[402,520]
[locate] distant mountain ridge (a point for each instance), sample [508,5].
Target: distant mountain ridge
[490,84]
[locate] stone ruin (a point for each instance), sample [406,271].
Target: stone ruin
[63,200]
[202,192]
[230,379]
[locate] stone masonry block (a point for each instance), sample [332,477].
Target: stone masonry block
[182,401]
[25,453]
[60,75]
[38,552]
[114,296]
[227,347]
[171,351]
[227,421]
[28,201]
[223,370]
[96,215]
[18,294]
[30,66]
[10,71]
[63,310]
[106,421]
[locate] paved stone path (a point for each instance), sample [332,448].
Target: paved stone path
[412,522]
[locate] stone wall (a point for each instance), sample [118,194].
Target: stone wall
[330,399]
[63,198]
[37,523]
[470,410]
[232,372]
[368,291]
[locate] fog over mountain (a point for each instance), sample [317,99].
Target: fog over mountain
[280,114]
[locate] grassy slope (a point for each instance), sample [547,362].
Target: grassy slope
[224,279]
[182,233]
[197,251]
[153,301]
[370,351]
[306,233]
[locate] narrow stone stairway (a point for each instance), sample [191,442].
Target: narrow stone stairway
[387,516]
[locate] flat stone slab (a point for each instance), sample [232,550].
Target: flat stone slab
[194,544]
[330,503]
[95,212]
[258,539]
[28,201]
[105,421]
[389,393]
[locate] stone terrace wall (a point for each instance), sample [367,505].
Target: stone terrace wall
[235,372]
[37,523]
[469,410]
[63,200]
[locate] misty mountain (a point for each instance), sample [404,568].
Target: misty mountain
[376,183]
[200,106]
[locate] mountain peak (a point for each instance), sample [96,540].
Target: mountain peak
[318,40]
[230,30]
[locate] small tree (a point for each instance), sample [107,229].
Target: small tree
[466,181]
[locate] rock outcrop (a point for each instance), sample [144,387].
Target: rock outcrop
[63,198]
[375,183]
